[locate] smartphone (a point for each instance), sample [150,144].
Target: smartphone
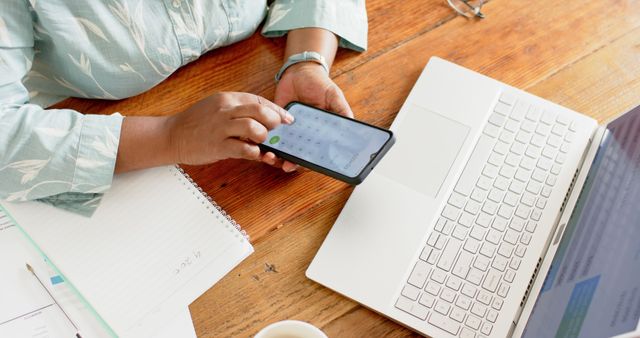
[329,143]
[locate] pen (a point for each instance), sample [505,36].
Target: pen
[55,301]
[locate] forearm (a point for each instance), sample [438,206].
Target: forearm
[312,39]
[144,143]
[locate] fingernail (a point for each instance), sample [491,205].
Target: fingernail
[289,118]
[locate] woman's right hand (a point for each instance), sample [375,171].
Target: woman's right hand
[223,125]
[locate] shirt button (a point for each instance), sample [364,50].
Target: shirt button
[176,3]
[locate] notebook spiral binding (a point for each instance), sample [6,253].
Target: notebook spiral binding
[213,203]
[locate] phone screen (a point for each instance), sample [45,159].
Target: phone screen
[333,142]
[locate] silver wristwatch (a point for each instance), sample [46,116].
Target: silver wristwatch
[302,57]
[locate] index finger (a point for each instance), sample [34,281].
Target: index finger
[284,115]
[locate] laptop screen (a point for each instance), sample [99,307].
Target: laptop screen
[593,286]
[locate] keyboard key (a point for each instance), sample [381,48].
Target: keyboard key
[549,152]
[564,148]
[520,250]
[539,175]
[559,129]
[488,249]
[507,172]
[441,242]
[523,137]
[563,120]
[472,245]
[466,219]
[523,212]
[511,236]
[478,310]
[444,323]
[426,251]
[546,191]
[458,314]
[490,171]
[511,198]
[538,140]
[457,200]
[477,232]
[503,290]
[516,187]
[493,236]
[469,290]
[419,274]
[501,148]
[534,187]
[515,264]
[427,299]
[507,98]
[505,211]
[490,207]
[484,220]
[484,182]
[463,302]
[502,109]
[512,126]
[449,254]
[410,292]
[528,199]
[491,282]
[536,214]
[451,212]
[495,195]
[496,159]
[516,223]
[510,275]
[533,114]
[438,275]
[484,297]
[475,276]
[442,307]
[448,226]
[505,249]
[544,164]
[561,158]
[412,308]
[499,224]
[486,328]
[531,226]
[569,137]
[432,288]
[433,238]
[460,233]
[547,117]
[478,158]
[507,137]
[497,303]
[448,295]
[525,238]
[463,264]
[551,180]
[433,257]
[522,175]
[492,316]
[501,183]
[481,262]
[512,159]
[478,195]
[554,141]
[473,322]
[543,130]
[472,207]
[518,148]
[491,130]
[528,126]
[454,283]
[497,119]
[499,263]
[527,163]
[466,333]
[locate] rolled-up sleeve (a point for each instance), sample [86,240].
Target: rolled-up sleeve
[345,18]
[57,156]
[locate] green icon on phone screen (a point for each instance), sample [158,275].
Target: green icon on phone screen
[274,139]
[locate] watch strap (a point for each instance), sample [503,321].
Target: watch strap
[302,57]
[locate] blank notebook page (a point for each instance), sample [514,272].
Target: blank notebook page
[154,245]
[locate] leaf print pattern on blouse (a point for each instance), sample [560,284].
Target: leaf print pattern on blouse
[111,49]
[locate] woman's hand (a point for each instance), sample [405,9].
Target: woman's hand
[224,125]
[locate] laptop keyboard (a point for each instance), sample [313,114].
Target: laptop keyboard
[464,273]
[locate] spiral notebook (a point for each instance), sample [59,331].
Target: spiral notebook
[155,244]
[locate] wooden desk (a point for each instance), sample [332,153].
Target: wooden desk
[581,54]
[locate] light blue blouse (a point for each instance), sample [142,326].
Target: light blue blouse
[113,49]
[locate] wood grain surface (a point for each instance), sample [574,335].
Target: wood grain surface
[581,54]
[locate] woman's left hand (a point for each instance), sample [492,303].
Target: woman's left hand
[308,83]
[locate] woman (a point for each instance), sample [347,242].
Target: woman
[112,49]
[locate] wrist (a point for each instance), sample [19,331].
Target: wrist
[303,57]
[304,67]
[145,142]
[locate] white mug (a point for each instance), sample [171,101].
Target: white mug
[290,329]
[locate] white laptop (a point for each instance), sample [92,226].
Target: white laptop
[454,232]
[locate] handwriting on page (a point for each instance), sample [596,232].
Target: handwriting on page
[187,261]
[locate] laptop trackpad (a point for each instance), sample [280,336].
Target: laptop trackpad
[427,145]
